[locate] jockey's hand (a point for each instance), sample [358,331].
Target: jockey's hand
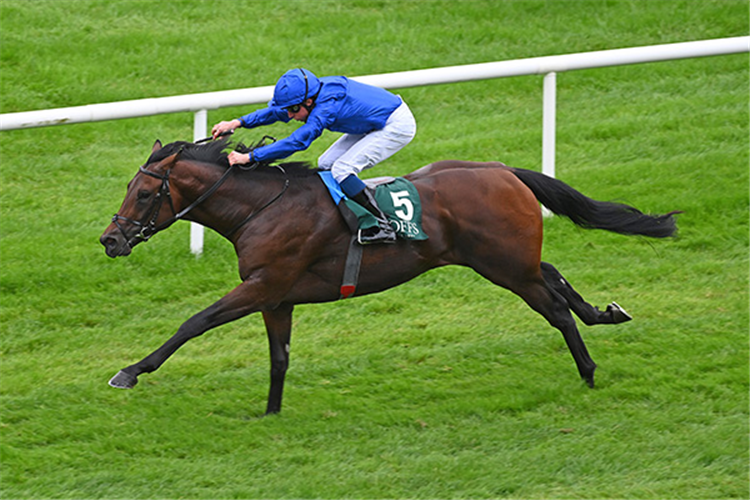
[222,127]
[236,158]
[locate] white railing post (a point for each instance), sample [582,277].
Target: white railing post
[548,127]
[200,119]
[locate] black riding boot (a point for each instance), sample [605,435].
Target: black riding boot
[383,232]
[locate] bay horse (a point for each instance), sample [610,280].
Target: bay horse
[292,241]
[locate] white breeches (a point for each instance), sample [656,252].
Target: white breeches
[353,153]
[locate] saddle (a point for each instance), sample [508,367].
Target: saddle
[396,197]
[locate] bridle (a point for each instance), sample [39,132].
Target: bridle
[148,226]
[148,229]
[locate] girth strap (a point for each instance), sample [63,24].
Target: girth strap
[351,268]
[353,256]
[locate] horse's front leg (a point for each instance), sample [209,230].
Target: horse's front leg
[236,304]
[279,328]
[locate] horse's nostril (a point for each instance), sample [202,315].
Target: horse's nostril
[107,240]
[114,245]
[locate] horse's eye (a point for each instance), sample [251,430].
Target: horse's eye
[144,195]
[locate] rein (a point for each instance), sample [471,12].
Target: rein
[150,228]
[268,204]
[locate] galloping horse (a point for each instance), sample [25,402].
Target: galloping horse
[292,242]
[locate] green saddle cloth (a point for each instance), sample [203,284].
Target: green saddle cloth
[399,201]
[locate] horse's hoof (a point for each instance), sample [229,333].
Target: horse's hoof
[619,315]
[123,380]
[588,377]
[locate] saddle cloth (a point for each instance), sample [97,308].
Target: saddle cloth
[396,197]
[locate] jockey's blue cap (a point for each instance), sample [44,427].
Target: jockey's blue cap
[295,87]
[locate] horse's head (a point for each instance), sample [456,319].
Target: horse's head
[154,200]
[148,206]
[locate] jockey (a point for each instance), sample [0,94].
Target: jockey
[376,124]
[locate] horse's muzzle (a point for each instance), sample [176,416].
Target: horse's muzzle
[115,244]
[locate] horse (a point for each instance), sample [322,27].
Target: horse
[292,242]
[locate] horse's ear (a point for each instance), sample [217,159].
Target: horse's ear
[157,146]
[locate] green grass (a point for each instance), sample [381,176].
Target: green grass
[446,387]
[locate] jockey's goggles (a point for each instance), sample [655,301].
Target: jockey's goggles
[294,108]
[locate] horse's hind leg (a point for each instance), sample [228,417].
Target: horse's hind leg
[553,306]
[541,297]
[589,314]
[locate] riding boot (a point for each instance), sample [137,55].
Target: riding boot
[383,232]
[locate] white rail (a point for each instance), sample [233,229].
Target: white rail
[548,65]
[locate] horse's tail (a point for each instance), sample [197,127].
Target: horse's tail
[563,200]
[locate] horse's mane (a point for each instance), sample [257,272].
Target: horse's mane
[216,152]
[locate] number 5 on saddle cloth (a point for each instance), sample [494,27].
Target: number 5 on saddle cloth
[396,197]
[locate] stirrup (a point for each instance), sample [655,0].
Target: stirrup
[377,234]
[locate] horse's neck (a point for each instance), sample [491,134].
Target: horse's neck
[191,180]
[241,193]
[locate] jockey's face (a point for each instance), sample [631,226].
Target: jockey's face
[302,113]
